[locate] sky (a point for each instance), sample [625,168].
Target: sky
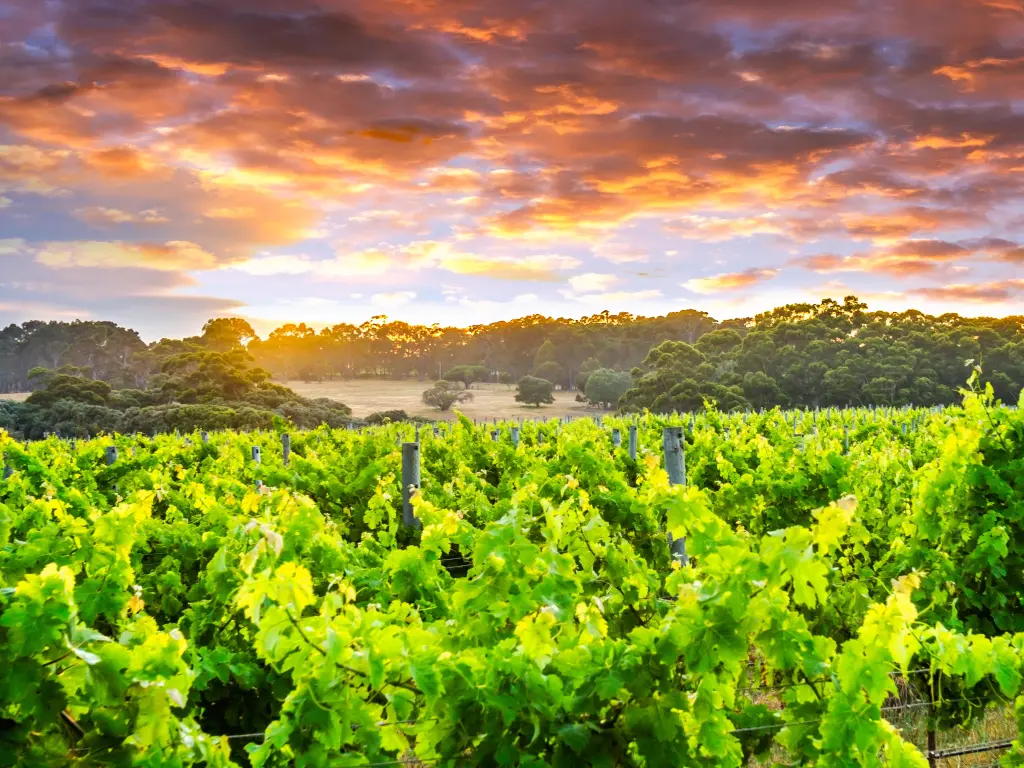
[163,162]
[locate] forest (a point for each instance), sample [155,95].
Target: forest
[798,355]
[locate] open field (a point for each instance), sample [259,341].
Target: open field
[364,396]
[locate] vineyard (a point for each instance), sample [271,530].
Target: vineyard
[833,588]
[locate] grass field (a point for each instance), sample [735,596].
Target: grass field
[364,396]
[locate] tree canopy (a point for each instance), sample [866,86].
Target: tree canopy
[443,395]
[829,353]
[534,391]
[605,387]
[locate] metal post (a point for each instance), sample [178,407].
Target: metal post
[675,465]
[494,435]
[111,454]
[205,436]
[286,447]
[410,481]
[632,442]
[8,471]
[515,437]
[616,438]
[256,454]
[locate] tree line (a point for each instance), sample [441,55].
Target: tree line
[798,355]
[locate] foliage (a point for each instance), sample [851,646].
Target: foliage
[801,355]
[387,417]
[679,377]
[534,391]
[605,387]
[225,334]
[195,390]
[588,366]
[152,608]
[443,396]
[467,374]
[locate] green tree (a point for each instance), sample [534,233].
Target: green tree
[74,388]
[443,395]
[467,374]
[605,386]
[678,377]
[534,391]
[226,333]
[588,366]
[551,371]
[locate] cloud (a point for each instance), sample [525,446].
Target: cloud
[265,266]
[910,258]
[100,216]
[621,253]
[713,229]
[592,282]
[174,256]
[392,299]
[981,293]
[730,281]
[511,141]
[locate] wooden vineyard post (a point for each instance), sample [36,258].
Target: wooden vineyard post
[111,457]
[515,437]
[286,447]
[256,459]
[410,481]
[616,438]
[205,436]
[8,471]
[675,464]
[632,442]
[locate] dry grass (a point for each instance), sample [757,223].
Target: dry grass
[364,396]
[16,396]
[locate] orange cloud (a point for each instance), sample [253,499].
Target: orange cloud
[174,256]
[906,259]
[730,281]
[981,293]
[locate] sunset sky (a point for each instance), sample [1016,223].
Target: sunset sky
[461,161]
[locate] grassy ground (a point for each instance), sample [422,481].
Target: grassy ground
[364,396]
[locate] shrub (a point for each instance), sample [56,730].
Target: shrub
[534,391]
[443,395]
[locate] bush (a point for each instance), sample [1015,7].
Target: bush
[534,391]
[443,395]
[605,386]
[384,417]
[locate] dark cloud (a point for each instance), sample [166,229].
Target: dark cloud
[281,34]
